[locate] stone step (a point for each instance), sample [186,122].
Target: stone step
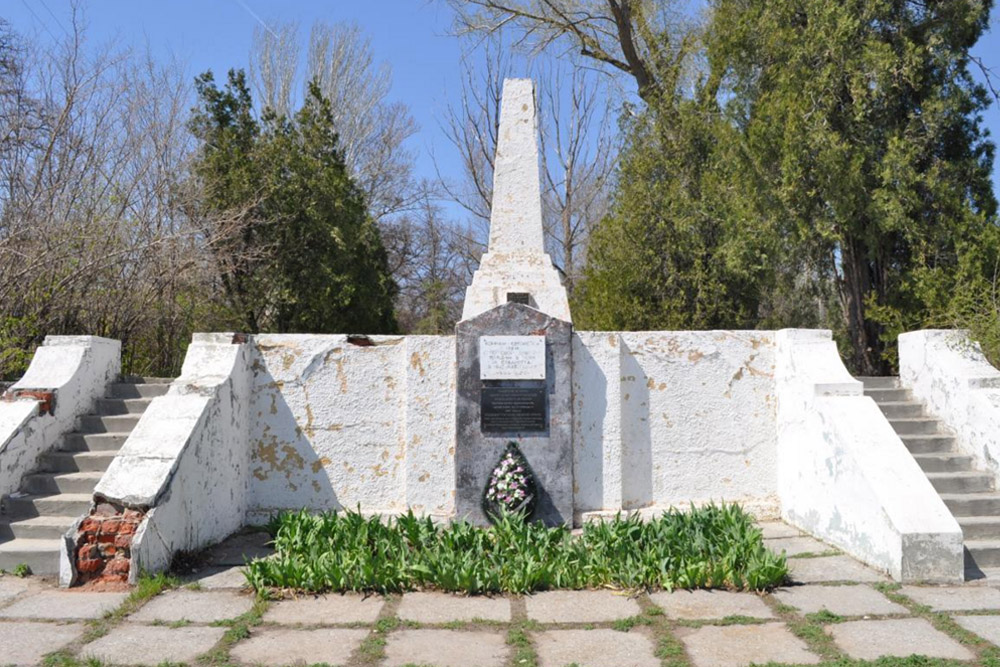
[77,461]
[65,482]
[882,382]
[888,395]
[108,424]
[144,379]
[928,444]
[122,406]
[916,426]
[980,527]
[944,462]
[42,556]
[902,409]
[36,528]
[93,442]
[961,482]
[984,553]
[61,504]
[129,390]
[972,504]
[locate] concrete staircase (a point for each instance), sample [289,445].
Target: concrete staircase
[969,493]
[60,491]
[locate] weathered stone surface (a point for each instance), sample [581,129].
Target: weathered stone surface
[131,644]
[954,598]
[27,643]
[898,637]
[987,627]
[793,546]
[580,607]
[595,648]
[444,608]
[212,578]
[777,529]
[63,605]
[239,549]
[711,604]
[11,587]
[737,645]
[858,600]
[325,610]
[283,646]
[445,648]
[550,453]
[830,568]
[194,606]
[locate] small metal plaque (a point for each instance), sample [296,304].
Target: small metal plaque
[519,297]
[513,409]
[512,357]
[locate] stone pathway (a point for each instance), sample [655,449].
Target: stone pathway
[836,608]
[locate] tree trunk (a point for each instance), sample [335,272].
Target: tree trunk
[854,285]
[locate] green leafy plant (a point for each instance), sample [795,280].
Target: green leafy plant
[21,570]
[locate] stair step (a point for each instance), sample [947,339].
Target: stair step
[131,390]
[984,553]
[930,463]
[36,528]
[77,461]
[888,395]
[916,426]
[122,406]
[64,482]
[42,556]
[108,424]
[972,504]
[980,527]
[961,482]
[928,444]
[881,382]
[145,379]
[902,409]
[60,504]
[93,442]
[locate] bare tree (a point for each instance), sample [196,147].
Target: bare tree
[274,63]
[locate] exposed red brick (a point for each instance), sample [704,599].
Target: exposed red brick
[123,541]
[89,565]
[110,525]
[117,566]
[132,515]
[127,528]
[89,525]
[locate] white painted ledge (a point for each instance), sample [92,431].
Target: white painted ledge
[187,461]
[948,371]
[75,370]
[844,475]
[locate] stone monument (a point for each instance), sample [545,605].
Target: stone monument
[514,343]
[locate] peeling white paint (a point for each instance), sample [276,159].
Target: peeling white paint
[844,475]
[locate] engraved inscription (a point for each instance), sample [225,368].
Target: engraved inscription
[513,409]
[512,357]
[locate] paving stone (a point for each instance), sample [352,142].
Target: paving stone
[11,587]
[830,568]
[239,549]
[325,610]
[794,546]
[987,627]
[711,604]
[446,648]
[284,646]
[954,598]
[595,648]
[856,600]
[194,606]
[736,645]
[26,643]
[773,529]
[63,605]
[899,637]
[131,644]
[212,578]
[444,608]
[580,607]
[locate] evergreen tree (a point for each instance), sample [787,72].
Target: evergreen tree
[302,254]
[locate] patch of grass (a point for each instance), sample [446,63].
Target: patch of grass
[653,610]
[66,659]
[716,546]
[817,554]
[670,651]
[518,639]
[626,624]
[146,588]
[239,629]
[824,616]
[21,570]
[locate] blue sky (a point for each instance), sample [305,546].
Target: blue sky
[411,35]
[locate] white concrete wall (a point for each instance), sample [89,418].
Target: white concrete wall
[335,425]
[76,370]
[187,458]
[669,418]
[948,371]
[844,475]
